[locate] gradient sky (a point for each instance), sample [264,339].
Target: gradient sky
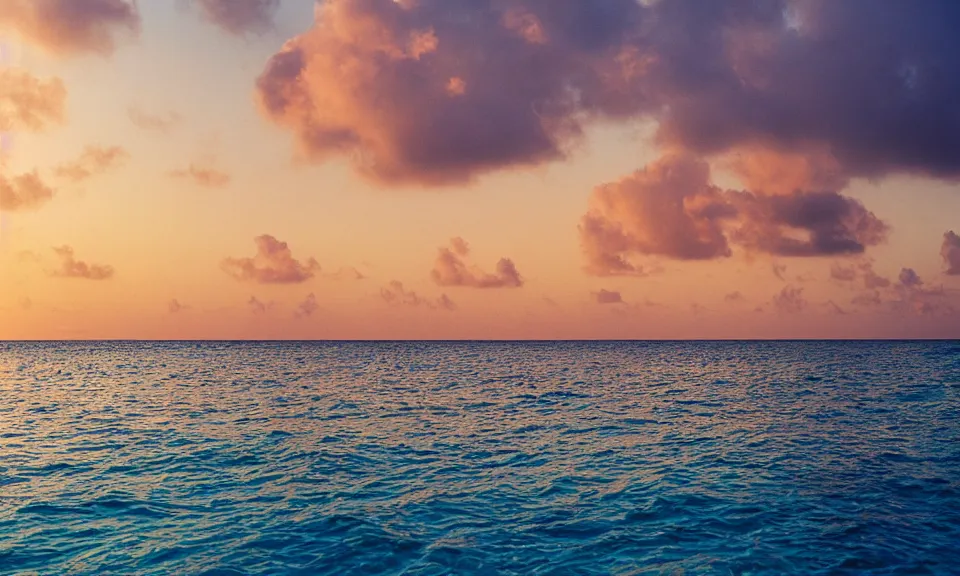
[479,169]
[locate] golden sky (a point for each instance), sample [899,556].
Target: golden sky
[387,169]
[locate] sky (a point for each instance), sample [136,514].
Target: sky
[479,169]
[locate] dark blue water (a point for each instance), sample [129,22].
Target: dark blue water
[480,458]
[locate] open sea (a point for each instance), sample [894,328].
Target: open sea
[419,458]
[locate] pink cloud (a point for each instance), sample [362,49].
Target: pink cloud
[607,297]
[950,252]
[790,300]
[73,26]
[205,176]
[151,121]
[273,264]
[395,294]
[29,103]
[93,160]
[240,17]
[307,307]
[23,192]
[450,269]
[70,267]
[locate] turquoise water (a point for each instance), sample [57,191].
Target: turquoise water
[480,458]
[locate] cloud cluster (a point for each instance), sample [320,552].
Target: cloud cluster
[73,26]
[93,160]
[23,192]
[307,307]
[796,94]
[205,176]
[273,264]
[671,209]
[790,300]
[70,267]
[950,252]
[240,17]
[395,294]
[607,297]
[29,103]
[450,269]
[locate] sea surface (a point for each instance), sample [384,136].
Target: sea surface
[571,458]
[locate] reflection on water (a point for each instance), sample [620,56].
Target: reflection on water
[480,458]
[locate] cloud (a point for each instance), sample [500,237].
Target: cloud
[843,273]
[306,308]
[395,294]
[240,17]
[607,297]
[449,269]
[258,307]
[70,267]
[66,27]
[913,296]
[670,209]
[736,296]
[809,93]
[93,160]
[205,176]
[175,307]
[273,264]
[779,270]
[790,300]
[23,192]
[950,252]
[29,103]
[149,121]
[909,278]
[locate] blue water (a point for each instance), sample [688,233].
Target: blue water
[480,458]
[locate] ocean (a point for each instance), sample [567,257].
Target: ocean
[440,458]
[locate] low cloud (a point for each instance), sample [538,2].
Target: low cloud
[205,176]
[307,307]
[149,121]
[670,209]
[395,294]
[70,267]
[607,297]
[23,192]
[273,264]
[790,300]
[950,252]
[734,297]
[240,17]
[450,269]
[93,160]
[66,27]
[28,103]
[175,307]
[258,307]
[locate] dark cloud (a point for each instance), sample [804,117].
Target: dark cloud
[150,121]
[23,192]
[240,17]
[790,300]
[909,278]
[395,294]
[912,295]
[70,267]
[607,297]
[450,269]
[205,176]
[29,103]
[950,252]
[808,93]
[307,307]
[73,26]
[273,264]
[93,160]
[671,209]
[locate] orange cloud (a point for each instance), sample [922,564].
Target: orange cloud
[28,103]
[307,307]
[607,297]
[258,307]
[240,17]
[790,300]
[950,252]
[70,267]
[203,176]
[149,121]
[72,26]
[396,295]
[23,192]
[273,264]
[175,307]
[93,160]
[449,269]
